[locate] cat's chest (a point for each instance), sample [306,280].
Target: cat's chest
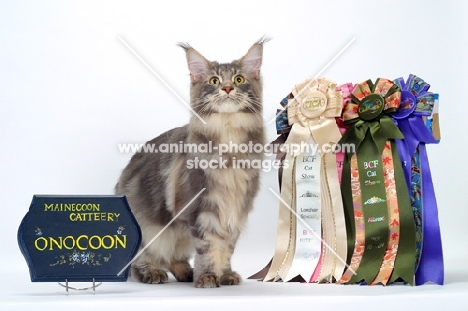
[227,190]
[231,136]
[230,128]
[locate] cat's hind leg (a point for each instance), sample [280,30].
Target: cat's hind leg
[183,250]
[169,251]
[148,267]
[182,270]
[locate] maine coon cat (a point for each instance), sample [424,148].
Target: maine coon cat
[228,97]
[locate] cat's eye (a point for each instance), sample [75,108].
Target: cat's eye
[214,81]
[239,79]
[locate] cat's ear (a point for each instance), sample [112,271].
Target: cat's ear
[197,64]
[252,61]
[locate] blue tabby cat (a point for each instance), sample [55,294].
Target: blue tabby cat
[228,97]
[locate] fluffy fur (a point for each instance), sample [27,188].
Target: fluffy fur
[159,185]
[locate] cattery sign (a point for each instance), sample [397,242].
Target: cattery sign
[78,238]
[82,212]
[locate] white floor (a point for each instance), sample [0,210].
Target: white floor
[18,293]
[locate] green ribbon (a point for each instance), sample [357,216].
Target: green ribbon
[371,127]
[378,132]
[404,268]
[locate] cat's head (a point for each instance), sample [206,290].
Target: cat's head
[229,87]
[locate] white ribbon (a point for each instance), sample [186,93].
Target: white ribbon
[308,209]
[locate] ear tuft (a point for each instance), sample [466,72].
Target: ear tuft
[197,64]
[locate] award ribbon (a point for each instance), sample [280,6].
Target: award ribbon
[375,195]
[322,128]
[418,103]
[312,108]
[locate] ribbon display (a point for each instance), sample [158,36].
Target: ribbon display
[380,220]
[418,103]
[366,215]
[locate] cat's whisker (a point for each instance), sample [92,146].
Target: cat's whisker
[252,105]
[200,104]
[206,108]
[254,101]
[200,101]
[249,106]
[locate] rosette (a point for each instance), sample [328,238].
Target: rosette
[380,226]
[417,103]
[309,185]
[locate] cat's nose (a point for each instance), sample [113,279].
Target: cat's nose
[227,88]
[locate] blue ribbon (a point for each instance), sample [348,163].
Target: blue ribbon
[417,102]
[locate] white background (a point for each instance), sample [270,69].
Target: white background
[70,92]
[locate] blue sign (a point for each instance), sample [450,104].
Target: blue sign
[79,238]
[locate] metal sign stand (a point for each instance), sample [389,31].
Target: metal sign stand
[68,287]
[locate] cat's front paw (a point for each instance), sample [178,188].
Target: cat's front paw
[207,281]
[148,274]
[230,278]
